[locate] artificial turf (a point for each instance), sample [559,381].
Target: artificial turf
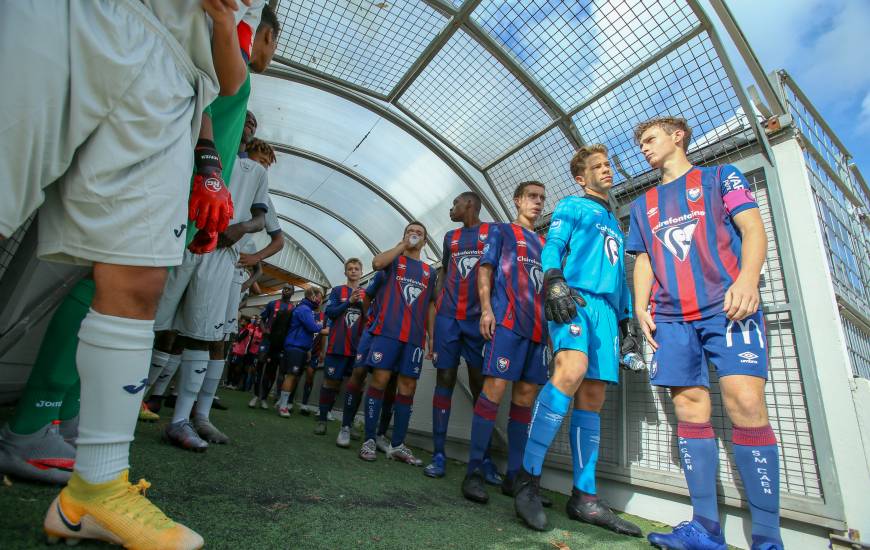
[277,485]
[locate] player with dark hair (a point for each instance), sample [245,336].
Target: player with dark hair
[700,246]
[399,335]
[297,345]
[276,322]
[456,321]
[510,288]
[584,266]
[344,310]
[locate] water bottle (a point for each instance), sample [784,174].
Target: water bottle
[633,362]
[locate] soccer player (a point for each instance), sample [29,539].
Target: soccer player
[700,246]
[399,334]
[457,324]
[344,310]
[315,362]
[276,320]
[297,345]
[585,238]
[510,288]
[87,129]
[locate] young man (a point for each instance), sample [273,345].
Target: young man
[585,238]
[399,334]
[297,345]
[456,318]
[512,321]
[276,319]
[700,246]
[194,304]
[315,362]
[344,310]
[103,129]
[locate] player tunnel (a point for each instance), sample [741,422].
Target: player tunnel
[382,113]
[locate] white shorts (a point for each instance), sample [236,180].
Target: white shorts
[235,298]
[98,129]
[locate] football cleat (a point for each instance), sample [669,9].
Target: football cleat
[343,439]
[490,472]
[253,402]
[209,432]
[368,451]
[284,412]
[508,487]
[527,500]
[145,414]
[42,456]
[599,513]
[320,428]
[218,406]
[382,443]
[116,512]
[689,535]
[437,468]
[181,434]
[474,487]
[403,454]
[265,405]
[69,430]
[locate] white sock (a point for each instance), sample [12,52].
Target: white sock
[209,387]
[194,364]
[165,377]
[282,403]
[158,363]
[112,361]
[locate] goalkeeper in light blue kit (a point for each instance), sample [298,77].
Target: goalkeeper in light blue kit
[587,303]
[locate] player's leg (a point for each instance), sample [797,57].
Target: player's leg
[161,385]
[386,417]
[446,361]
[204,400]
[309,385]
[333,373]
[374,400]
[411,364]
[69,413]
[292,364]
[472,352]
[482,426]
[194,365]
[352,399]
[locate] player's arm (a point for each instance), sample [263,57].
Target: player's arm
[334,306]
[560,300]
[385,258]
[643,281]
[233,233]
[306,317]
[742,298]
[430,321]
[255,288]
[258,271]
[442,271]
[484,293]
[229,65]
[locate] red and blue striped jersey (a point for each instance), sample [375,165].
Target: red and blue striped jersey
[347,322]
[461,252]
[272,310]
[686,227]
[518,292]
[403,302]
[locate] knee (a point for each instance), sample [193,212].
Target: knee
[745,407]
[494,389]
[446,378]
[592,396]
[407,386]
[216,350]
[128,291]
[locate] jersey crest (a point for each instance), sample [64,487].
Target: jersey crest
[537,277]
[411,290]
[678,238]
[465,265]
[351,316]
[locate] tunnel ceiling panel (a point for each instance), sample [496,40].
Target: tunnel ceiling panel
[329,263]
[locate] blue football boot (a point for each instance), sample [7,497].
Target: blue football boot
[438,466]
[689,535]
[766,543]
[490,472]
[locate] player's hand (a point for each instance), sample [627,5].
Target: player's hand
[210,206]
[628,342]
[203,242]
[355,296]
[741,299]
[647,326]
[247,260]
[487,324]
[231,235]
[560,300]
[222,11]
[430,347]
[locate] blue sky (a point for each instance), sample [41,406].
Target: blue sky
[825,46]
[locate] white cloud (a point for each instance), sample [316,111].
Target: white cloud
[863,126]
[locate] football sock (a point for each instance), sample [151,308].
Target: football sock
[386,413]
[374,402]
[441,402]
[209,387]
[112,358]
[700,457]
[306,393]
[282,401]
[194,364]
[162,383]
[71,402]
[482,424]
[403,418]
[585,437]
[352,398]
[159,359]
[518,436]
[757,458]
[550,409]
[292,394]
[327,400]
[54,372]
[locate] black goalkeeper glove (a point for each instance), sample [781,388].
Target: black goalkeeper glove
[560,300]
[628,342]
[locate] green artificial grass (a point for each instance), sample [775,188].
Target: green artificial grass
[277,485]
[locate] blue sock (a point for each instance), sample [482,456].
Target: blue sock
[402,410]
[585,437]
[482,425]
[700,457]
[327,400]
[374,402]
[757,458]
[441,402]
[518,435]
[386,414]
[352,397]
[549,411]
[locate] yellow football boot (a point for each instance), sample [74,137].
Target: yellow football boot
[147,415]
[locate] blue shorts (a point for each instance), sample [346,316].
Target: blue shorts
[337,366]
[734,347]
[362,349]
[595,332]
[455,339]
[403,358]
[293,361]
[513,357]
[315,361]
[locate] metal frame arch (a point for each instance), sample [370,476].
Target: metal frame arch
[308,256]
[314,234]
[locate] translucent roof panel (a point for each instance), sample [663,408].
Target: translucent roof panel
[575,49]
[467,96]
[329,263]
[368,44]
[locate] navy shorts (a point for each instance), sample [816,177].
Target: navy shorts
[456,338]
[396,356]
[734,347]
[293,361]
[362,349]
[513,357]
[337,366]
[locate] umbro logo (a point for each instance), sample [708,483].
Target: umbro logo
[748,355]
[652,211]
[134,389]
[180,231]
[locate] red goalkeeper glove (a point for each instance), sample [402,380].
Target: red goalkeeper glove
[210,206]
[203,242]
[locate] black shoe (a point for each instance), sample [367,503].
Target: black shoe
[169,401]
[474,489]
[218,406]
[507,489]
[527,500]
[599,513]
